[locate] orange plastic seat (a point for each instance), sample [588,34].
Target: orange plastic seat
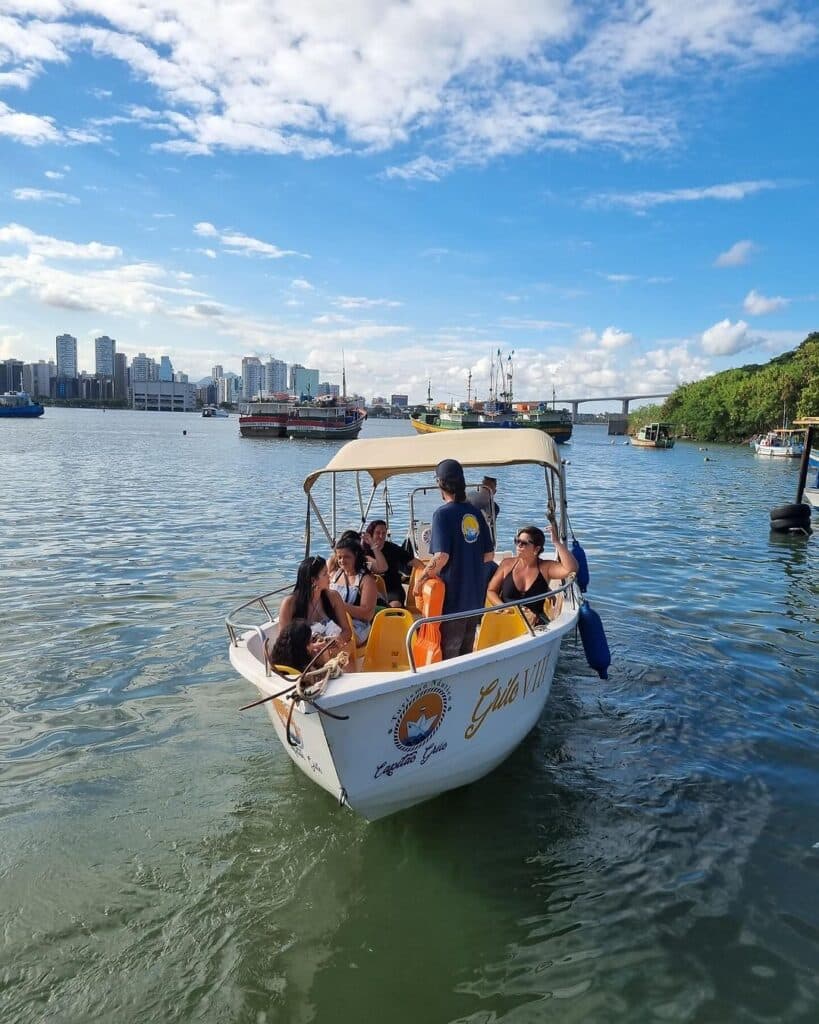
[387,645]
[380,585]
[426,644]
[498,627]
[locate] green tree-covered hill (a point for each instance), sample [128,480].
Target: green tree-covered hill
[734,404]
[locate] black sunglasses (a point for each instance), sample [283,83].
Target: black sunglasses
[524,543]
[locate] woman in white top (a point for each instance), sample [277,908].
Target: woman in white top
[355,585]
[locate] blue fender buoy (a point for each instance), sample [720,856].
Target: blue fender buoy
[595,644]
[582,565]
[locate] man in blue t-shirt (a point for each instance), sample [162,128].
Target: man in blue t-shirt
[461,543]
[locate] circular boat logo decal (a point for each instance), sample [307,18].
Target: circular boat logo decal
[420,717]
[470,528]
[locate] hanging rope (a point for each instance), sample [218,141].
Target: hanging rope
[304,686]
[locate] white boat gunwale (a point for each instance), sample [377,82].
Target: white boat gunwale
[241,632]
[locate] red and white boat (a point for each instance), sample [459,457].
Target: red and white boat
[324,418]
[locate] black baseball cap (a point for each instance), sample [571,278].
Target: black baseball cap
[450,472]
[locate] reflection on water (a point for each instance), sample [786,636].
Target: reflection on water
[647,853]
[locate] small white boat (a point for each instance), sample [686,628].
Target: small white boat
[381,739]
[214,412]
[781,444]
[653,435]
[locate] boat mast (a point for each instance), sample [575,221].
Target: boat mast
[469,389]
[509,370]
[343,382]
[429,392]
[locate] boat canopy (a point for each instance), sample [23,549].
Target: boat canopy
[384,457]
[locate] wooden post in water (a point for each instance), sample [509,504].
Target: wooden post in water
[809,422]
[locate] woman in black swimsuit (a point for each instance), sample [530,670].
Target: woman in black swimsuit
[527,574]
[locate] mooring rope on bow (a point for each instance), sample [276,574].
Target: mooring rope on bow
[306,686]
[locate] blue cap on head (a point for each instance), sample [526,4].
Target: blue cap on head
[451,473]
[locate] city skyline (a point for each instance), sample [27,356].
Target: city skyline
[621,195]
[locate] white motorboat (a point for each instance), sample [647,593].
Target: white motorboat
[383,738]
[782,444]
[214,412]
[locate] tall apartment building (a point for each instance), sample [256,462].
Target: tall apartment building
[227,389]
[326,388]
[252,377]
[303,381]
[120,376]
[165,368]
[275,376]
[37,377]
[66,356]
[143,368]
[104,350]
[217,372]
[399,401]
[11,375]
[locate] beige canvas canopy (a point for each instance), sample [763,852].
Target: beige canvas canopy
[384,457]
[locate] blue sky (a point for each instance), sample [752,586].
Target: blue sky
[621,193]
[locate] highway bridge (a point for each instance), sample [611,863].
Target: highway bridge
[624,401]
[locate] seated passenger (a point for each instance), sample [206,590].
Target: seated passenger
[296,647]
[313,600]
[389,561]
[527,574]
[354,585]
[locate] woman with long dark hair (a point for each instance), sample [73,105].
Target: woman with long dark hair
[313,601]
[354,585]
[295,647]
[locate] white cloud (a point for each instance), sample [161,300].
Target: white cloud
[530,324]
[237,244]
[737,255]
[302,284]
[42,195]
[359,302]
[471,81]
[619,278]
[55,248]
[29,129]
[732,191]
[612,338]
[54,175]
[725,338]
[759,305]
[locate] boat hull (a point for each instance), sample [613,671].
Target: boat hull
[300,427]
[559,431]
[22,412]
[409,737]
[786,452]
[661,443]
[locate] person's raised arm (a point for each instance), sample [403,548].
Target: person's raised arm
[566,563]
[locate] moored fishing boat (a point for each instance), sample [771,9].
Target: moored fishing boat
[325,418]
[17,404]
[498,413]
[400,730]
[653,435]
[781,444]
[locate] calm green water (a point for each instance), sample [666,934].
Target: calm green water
[650,853]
